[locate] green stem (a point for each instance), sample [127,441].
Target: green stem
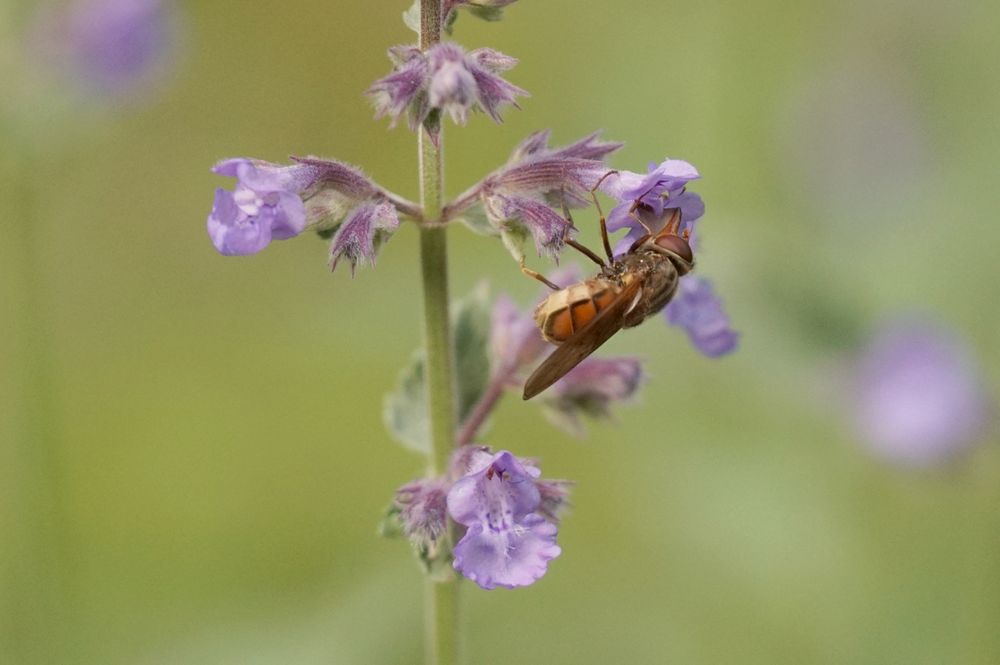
[441,622]
[434,271]
[41,564]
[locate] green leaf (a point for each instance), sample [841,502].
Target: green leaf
[470,340]
[405,408]
[390,526]
[327,231]
[514,237]
[486,13]
[449,22]
[475,220]
[411,17]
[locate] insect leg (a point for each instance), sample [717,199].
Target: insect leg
[604,224]
[586,252]
[574,244]
[539,276]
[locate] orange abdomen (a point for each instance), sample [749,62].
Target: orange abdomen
[565,312]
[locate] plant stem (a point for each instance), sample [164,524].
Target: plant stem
[441,621]
[42,552]
[434,271]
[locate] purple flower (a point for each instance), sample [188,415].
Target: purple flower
[591,388]
[109,45]
[366,228]
[697,309]
[650,197]
[507,542]
[274,202]
[264,206]
[445,78]
[918,396]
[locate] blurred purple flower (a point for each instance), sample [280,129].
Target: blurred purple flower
[274,202]
[111,46]
[696,308]
[514,339]
[650,197]
[423,513]
[919,397]
[445,78]
[507,543]
[591,388]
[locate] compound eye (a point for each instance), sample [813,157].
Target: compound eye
[677,245]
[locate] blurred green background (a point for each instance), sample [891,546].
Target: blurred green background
[193,462]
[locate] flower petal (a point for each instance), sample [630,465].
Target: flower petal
[232,232]
[698,310]
[289,217]
[497,495]
[511,558]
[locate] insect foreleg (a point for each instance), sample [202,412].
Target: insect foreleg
[539,276]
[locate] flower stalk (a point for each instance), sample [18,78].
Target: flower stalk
[441,618]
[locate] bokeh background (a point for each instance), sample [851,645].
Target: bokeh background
[192,460]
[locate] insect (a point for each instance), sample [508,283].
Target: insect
[629,288]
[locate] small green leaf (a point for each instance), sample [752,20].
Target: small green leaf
[411,17]
[485,13]
[449,22]
[405,409]
[470,339]
[475,220]
[327,231]
[514,236]
[390,526]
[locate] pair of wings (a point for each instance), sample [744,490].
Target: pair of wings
[585,341]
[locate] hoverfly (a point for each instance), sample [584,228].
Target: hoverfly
[628,289]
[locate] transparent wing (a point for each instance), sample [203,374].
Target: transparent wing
[581,344]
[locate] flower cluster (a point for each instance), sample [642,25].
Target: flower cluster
[510,516]
[447,79]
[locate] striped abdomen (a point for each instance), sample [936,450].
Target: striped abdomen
[567,311]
